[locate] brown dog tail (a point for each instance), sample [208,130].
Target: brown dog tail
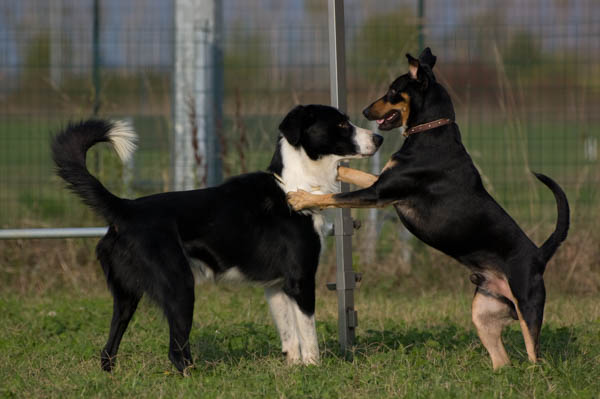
[562,222]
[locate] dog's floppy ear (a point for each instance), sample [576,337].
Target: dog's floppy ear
[294,124]
[427,58]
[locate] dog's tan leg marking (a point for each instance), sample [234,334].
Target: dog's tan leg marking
[490,316]
[302,200]
[499,285]
[529,341]
[356,177]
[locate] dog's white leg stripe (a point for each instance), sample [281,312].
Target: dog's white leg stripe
[285,321]
[309,345]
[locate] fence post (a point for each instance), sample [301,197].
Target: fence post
[421,23]
[371,233]
[198,84]
[56,43]
[345,276]
[96,56]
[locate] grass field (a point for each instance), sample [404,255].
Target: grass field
[417,345]
[415,337]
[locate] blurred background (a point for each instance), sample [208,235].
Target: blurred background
[206,83]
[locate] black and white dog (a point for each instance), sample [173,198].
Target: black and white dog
[243,228]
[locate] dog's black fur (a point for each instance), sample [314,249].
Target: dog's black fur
[243,227]
[440,198]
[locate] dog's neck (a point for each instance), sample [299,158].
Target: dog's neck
[298,171]
[434,105]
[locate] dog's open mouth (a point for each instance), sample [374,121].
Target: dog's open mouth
[389,117]
[387,122]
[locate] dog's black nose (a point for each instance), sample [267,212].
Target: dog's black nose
[377,139]
[366,112]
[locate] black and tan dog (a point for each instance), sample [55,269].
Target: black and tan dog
[440,198]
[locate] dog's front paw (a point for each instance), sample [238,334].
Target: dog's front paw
[300,199]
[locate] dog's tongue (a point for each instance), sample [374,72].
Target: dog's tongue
[380,121]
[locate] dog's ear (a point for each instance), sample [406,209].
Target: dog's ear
[427,58]
[421,72]
[294,124]
[413,66]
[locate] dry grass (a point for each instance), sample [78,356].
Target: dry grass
[42,266]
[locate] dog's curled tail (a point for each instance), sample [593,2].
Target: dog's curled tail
[69,149]
[562,222]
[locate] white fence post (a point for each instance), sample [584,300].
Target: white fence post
[197,108]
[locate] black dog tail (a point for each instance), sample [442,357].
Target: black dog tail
[69,149]
[562,222]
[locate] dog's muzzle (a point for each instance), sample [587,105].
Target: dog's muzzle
[367,142]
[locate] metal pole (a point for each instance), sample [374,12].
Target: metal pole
[183,79]
[345,276]
[67,232]
[420,23]
[215,164]
[197,82]
[56,43]
[371,233]
[96,50]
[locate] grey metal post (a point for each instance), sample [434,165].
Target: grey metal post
[371,233]
[65,232]
[197,76]
[56,43]
[96,59]
[345,276]
[421,23]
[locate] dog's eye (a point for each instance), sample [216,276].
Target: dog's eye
[344,125]
[392,92]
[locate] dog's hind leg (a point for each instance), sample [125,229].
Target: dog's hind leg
[179,311]
[280,305]
[170,282]
[528,295]
[124,306]
[490,315]
[178,305]
[530,310]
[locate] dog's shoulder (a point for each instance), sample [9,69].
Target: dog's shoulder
[258,191]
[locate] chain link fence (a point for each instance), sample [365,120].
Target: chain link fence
[524,78]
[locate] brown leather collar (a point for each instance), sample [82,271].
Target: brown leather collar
[427,126]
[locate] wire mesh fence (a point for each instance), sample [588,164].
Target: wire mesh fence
[525,81]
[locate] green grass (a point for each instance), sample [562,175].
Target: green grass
[32,195]
[420,345]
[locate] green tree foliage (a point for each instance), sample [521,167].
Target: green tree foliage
[377,51]
[37,60]
[522,54]
[245,60]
